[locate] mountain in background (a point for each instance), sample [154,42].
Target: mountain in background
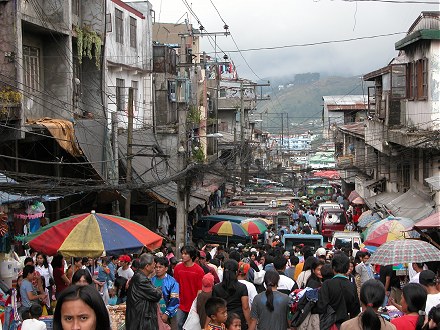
[300,96]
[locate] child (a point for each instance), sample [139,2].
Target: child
[33,323]
[215,309]
[113,298]
[233,322]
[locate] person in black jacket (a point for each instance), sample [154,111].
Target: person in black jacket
[339,293]
[142,297]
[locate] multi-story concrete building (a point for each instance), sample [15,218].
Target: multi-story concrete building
[395,153]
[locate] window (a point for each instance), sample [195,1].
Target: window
[410,78]
[135,86]
[421,71]
[120,101]
[398,81]
[133,26]
[75,7]
[222,92]
[119,26]
[31,63]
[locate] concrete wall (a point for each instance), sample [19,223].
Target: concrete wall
[130,64]
[425,114]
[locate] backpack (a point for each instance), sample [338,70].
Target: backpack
[304,306]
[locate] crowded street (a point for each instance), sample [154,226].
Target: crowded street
[207,165]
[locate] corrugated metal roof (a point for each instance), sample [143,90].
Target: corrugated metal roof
[434,181]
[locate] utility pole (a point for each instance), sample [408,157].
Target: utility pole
[115,204]
[182,191]
[129,151]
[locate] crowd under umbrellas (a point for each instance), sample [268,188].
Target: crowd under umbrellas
[257,263]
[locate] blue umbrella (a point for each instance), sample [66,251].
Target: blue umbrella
[368,219]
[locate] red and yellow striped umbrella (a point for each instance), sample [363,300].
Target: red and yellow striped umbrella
[90,234]
[228,228]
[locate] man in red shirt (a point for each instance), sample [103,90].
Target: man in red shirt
[189,276]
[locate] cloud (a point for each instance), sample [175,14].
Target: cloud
[260,24]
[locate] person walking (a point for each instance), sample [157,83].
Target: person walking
[142,297]
[170,292]
[338,293]
[234,292]
[189,276]
[372,296]
[365,270]
[270,308]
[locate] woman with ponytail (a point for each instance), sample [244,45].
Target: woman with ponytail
[234,292]
[372,295]
[413,304]
[270,308]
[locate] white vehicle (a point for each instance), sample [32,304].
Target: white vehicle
[346,239]
[324,206]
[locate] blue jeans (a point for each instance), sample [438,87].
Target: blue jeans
[181,318]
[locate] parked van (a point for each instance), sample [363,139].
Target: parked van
[291,240]
[332,220]
[201,236]
[346,239]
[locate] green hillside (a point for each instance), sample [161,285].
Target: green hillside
[302,100]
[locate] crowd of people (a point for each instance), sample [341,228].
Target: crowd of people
[248,287]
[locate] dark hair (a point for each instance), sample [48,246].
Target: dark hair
[327,272]
[89,296]
[190,250]
[294,260]
[36,311]
[80,273]
[231,318]
[213,304]
[163,261]
[415,296]
[340,263]
[309,262]
[271,279]
[28,269]
[279,262]
[215,262]
[372,295]
[434,314]
[28,259]
[57,261]
[229,282]
[235,255]
[45,263]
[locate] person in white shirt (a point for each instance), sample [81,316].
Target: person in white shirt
[428,280]
[125,270]
[285,284]
[243,269]
[34,323]
[417,268]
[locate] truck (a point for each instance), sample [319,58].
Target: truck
[346,239]
[291,240]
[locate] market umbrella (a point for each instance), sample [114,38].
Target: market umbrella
[228,228]
[432,221]
[254,227]
[90,234]
[263,221]
[387,230]
[368,218]
[354,194]
[405,251]
[358,200]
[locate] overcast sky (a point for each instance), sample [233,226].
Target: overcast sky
[259,24]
